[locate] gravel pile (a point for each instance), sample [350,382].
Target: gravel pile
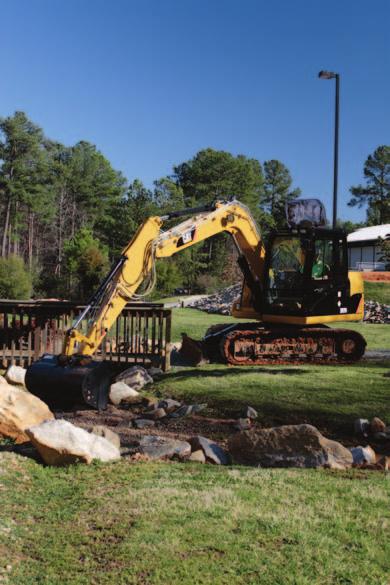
[222,301]
[376,312]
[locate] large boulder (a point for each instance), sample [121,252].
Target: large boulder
[61,443]
[122,392]
[288,446]
[18,411]
[136,377]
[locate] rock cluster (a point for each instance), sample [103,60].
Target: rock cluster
[163,411]
[376,312]
[220,302]
[197,449]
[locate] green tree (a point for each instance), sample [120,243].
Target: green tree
[168,277]
[86,263]
[168,195]
[376,193]
[385,250]
[24,192]
[216,174]
[15,279]
[86,193]
[277,191]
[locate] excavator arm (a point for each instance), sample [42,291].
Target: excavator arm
[137,264]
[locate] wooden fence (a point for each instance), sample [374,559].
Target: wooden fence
[28,329]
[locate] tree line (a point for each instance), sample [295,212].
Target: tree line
[66,213]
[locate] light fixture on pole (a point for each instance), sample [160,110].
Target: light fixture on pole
[336,76]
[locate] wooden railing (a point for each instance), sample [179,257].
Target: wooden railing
[28,329]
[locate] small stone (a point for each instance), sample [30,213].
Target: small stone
[213,452]
[198,456]
[361,426]
[136,377]
[198,407]
[157,414]
[155,373]
[121,392]
[242,424]
[157,447]
[184,410]
[169,404]
[377,425]
[188,409]
[363,455]
[150,403]
[15,375]
[143,423]
[250,413]
[102,431]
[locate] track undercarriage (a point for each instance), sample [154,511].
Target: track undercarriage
[250,344]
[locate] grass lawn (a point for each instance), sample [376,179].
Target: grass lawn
[377,291]
[185,524]
[168,523]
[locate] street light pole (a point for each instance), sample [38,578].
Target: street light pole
[336,76]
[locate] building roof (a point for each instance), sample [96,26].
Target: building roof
[370,233]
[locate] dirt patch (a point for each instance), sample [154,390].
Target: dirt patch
[120,421]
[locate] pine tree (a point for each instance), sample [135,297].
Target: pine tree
[376,193]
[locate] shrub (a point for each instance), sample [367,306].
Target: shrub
[15,280]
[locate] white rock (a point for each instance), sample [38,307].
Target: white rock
[103,431]
[19,410]
[121,392]
[363,455]
[61,443]
[15,375]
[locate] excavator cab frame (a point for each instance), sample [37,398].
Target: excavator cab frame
[306,273]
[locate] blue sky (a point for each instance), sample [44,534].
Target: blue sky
[151,82]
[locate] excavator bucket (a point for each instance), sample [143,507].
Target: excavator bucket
[64,382]
[192,350]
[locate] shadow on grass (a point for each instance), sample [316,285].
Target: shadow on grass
[222,373]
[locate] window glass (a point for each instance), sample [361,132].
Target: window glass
[323,260]
[287,263]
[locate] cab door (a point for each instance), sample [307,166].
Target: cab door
[328,286]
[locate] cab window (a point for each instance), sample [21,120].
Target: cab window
[322,268]
[287,263]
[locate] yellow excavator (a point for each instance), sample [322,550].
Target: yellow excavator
[291,290]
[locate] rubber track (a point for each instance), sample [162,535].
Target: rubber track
[329,336]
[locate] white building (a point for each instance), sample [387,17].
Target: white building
[364,250]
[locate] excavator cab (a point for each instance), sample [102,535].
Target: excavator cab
[306,274]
